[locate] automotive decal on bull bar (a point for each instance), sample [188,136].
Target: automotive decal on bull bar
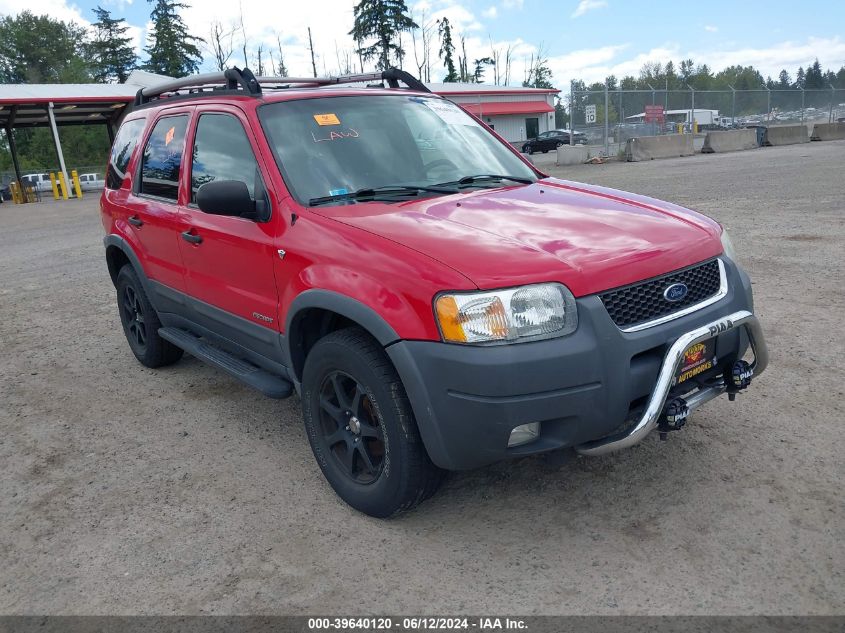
[261,317]
[721,326]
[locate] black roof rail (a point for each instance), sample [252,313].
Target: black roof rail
[392,76]
[235,80]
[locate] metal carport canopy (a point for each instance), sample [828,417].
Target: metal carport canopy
[52,105]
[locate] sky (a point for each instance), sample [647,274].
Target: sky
[583,39]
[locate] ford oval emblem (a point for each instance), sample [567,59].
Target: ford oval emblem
[675,292]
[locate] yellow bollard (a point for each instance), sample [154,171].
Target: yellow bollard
[54,185]
[76,186]
[63,184]
[31,196]
[16,191]
[695,127]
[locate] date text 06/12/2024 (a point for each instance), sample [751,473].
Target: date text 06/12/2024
[416,624]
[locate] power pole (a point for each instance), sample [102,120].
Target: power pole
[733,105]
[606,121]
[311,48]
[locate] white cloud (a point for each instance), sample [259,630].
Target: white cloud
[490,12]
[513,4]
[588,5]
[770,60]
[118,4]
[710,28]
[593,65]
[57,9]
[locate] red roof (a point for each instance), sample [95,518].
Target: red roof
[492,108]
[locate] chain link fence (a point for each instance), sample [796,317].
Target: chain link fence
[695,111]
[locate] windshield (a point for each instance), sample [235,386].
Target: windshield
[332,146]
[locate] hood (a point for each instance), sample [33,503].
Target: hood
[588,238]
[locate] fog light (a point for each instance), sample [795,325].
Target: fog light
[524,434]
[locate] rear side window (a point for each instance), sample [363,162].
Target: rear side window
[121,152]
[162,158]
[222,152]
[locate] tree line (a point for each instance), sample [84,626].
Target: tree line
[385,33]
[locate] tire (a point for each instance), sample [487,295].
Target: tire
[529,151]
[361,427]
[140,323]
[559,144]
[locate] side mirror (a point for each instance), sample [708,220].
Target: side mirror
[226,197]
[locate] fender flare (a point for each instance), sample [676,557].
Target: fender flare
[344,305]
[116,241]
[341,304]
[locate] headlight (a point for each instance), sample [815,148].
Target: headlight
[526,313]
[728,245]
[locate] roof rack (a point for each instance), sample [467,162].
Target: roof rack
[237,81]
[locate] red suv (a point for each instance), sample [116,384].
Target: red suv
[436,302]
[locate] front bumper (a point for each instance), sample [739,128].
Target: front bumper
[597,390]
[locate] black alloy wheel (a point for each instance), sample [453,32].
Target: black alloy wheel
[351,430]
[133,317]
[141,323]
[361,426]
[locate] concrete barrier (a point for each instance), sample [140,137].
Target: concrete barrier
[650,147]
[575,155]
[729,141]
[828,132]
[787,135]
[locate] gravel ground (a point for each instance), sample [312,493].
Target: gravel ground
[126,490]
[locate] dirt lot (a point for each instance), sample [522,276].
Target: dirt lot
[126,490]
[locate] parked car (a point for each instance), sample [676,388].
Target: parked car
[91,182]
[5,192]
[552,139]
[443,310]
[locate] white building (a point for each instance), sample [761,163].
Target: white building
[515,113]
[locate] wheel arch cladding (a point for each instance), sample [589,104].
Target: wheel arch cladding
[115,260]
[315,313]
[118,254]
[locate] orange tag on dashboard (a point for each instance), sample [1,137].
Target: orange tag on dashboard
[326,119]
[169,136]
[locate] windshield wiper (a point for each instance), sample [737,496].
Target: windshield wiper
[468,180]
[371,193]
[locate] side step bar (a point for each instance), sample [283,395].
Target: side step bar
[270,385]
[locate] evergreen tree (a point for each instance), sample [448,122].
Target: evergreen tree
[814,78]
[670,79]
[382,20]
[686,70]
[784,81]
[561,118]
[478,73]
[447,50]
[110,53]
[173,51]
[800,78]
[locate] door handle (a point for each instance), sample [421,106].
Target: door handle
[191,237]
[134,220]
